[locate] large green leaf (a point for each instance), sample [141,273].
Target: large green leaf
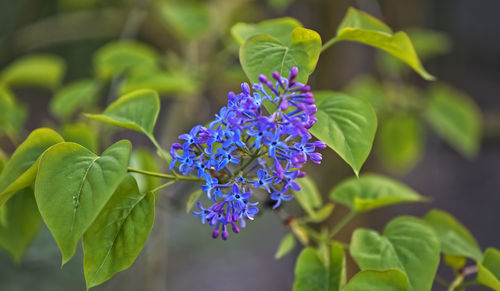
[345,124]
[40,70]
[80,95]
[455,117]
[372,191]
[387,280]
[489,270]
[12,114]
[308,196]
[279,28]
[361,27]
[20,170]
[455,238]
[137,111]
[120,56]
[80,133]
[186,19]
[312,274]
[22,223]
[118,234]
[72,186]
[264,54]
[400,142]
[286,245]
[407,243]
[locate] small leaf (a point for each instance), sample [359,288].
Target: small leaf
[73,185]
[264,54]
[39,70]
[361,27]
[299,232]
[143,158]
[286,245]
[20,170]
[120,56]
[386,280]
[347,125]
[22,223]
[80,95]
[116,237]
[489,270]
[407,244]
[455,238]
[312,274]
[193,198]
[308,196]
[279,28]
[12,114]
[367,88]
[455,117]
[372,191]
[164,83]
[400,142]
[456,262]
[186,20]
[136,111]
[322,213]
[80,133]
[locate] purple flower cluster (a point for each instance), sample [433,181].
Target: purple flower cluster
[244,148]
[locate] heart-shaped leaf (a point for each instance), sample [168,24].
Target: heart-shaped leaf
[264,54]
[388,280]
[372,191]
[117,235]
[279,28]
[345,124]
[313,274]
[407,244]
[455,238]
[73,185]
[20,170]
[22,223]
[361,27]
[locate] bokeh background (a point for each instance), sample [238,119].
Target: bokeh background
[180,254]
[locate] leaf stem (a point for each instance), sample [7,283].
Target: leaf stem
[164,176]
[342,223]
[163,186]
[328,44]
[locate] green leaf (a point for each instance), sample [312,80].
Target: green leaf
[12,114]
[80,133]
[372,191]
[361,27]
[39,70]
[163,82]
[136,111]
[264,54]
[407,243]
[400,142]
[308,196]
[455,238]
[455,117]
[143,158]
[489,270]
[3,160]
[20,170]
[193,198]
[345,124]
[321,214]
[456,262]
[312,274]
[186,20]
[79,95]
[21,225]
[387,280]
[120,56]
[367,88]
[73,185]
[117,235]
[279,28]
[286,245]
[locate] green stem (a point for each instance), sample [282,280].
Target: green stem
[163,186]
[328,44]
[164,176]
[458,280]
[161,151]
[463,285]
[245,165]
[342,223]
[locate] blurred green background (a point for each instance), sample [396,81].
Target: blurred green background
[198,60]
